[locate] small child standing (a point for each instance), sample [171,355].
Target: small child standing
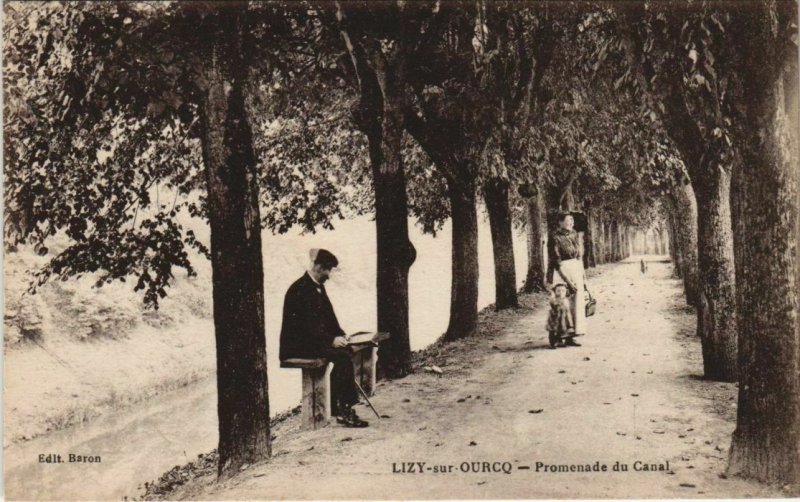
[559,323]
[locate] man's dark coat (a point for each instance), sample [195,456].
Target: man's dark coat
[309,323]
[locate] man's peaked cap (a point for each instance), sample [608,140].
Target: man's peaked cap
[324,257]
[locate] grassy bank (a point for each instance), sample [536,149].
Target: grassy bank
[73,351]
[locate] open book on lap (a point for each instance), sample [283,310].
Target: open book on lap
[362,337]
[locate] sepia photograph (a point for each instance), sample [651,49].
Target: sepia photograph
[401,249]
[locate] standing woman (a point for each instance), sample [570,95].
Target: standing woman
[566,259]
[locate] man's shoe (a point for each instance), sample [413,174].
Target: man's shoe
[572,343]
[350,419]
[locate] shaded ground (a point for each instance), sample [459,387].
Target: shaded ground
[631,394]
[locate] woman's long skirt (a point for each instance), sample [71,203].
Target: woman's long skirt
[573,270]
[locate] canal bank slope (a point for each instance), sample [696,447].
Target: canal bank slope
[74,352]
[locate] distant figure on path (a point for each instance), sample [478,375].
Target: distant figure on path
[643,266]
[560,326]
[310,330]
[566,260]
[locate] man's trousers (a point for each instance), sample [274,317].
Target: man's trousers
[343,387]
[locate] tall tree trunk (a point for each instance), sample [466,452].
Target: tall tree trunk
[535,279]
[464,285]
[601,241]
[686,229]
[396,254]
[597,238]
[566,201]
[381,118]
[709,172]
[644,241]
[623,242]
[495,193]
[597,234]
[716,310]
[627,239]
[662,239]
[380,76]
[656,242]
[641,242]
[588,242]
[631,236]
[677,259]
[615,241]
[603,244]
[236,261]
[766,442]
[653,249]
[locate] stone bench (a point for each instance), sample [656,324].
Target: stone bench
[316,402]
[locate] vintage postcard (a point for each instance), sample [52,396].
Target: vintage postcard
[400,250]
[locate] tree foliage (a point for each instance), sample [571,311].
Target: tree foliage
[102,133]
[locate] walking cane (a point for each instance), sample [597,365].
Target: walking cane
[366,398]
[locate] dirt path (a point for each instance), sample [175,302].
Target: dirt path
[630,393]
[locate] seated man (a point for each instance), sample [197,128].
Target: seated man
[310,330]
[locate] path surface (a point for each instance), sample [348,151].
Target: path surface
[630,393]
